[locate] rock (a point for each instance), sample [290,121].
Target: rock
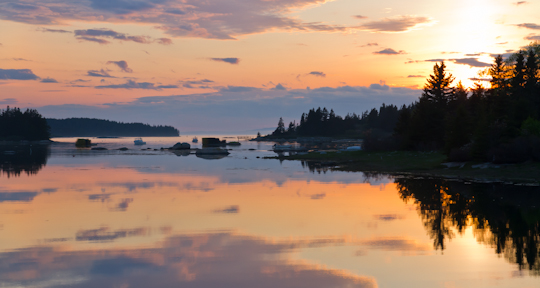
[123,149]
[181,146]
[99,148]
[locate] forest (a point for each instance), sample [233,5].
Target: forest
[87,127]
[321,122]
[16,125]
[500,124]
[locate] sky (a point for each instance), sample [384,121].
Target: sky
[239,65]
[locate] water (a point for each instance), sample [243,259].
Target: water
[146,218]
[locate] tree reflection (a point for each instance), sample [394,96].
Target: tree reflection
[28,159]
[503,216]
[318,166]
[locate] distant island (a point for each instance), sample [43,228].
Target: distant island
[89,127]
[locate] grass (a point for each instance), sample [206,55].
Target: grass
[420,163]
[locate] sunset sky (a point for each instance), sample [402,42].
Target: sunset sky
[239,65]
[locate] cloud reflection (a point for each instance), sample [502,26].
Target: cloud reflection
[17,196]
[203,260]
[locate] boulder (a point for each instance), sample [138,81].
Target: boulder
[99,148]
[181,146]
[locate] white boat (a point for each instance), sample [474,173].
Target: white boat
[195,140]
[139,141]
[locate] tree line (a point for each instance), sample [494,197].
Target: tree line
[88,127]
[324,123]
[29,125]
[499,124]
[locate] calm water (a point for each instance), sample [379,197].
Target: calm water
[80,218]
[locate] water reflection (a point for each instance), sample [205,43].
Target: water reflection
[28,159]
[505,217]
[149,218]
[202,260]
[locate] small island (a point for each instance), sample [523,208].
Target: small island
[29,125]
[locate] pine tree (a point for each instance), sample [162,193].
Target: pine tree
[498,72]
[518,74]
[428,119]
[438,88]
[280,128]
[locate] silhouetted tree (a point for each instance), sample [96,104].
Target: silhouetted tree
[280,128]
[27,125]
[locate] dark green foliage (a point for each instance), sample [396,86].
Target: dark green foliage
[530,127]
[28,125]
[86,127]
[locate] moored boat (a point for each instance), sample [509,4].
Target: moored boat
[139,141]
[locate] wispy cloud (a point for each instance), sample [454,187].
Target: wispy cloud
[389,51]
[17,74]
[233,209]
[91,39]
[359,16]
[480,79]
[415,76]
[473,62]
[317,73]
[9,101]
[97,35]
[533,37]
[521,3]
[397,24]
[318,196]
[370,44]
[130,84]
[48,80]
[227,60]
[53,30]
[99,73]
[532,26]
[388,217]
[122,65]
[199,84]
[435,60]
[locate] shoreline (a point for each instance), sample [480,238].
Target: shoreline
[421,164]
